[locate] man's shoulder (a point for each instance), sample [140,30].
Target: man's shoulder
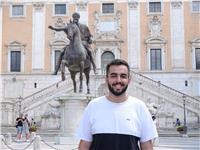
[97,101]
[136,100]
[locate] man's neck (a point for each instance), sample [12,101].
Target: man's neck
[117,99]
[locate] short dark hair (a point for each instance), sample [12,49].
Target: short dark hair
[117,62]
[75,14]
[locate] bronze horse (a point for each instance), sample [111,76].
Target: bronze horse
[76,58]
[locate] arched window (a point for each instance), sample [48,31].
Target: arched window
[106,57]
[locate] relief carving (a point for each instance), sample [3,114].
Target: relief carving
[38,6]
[133,4]
[81,6]
[176,4]
[155,26]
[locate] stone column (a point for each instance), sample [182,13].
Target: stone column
[72,107]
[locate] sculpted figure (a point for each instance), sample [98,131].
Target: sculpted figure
[86,38]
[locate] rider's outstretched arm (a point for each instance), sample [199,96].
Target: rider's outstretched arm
[57,29]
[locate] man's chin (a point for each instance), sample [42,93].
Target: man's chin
[117,92]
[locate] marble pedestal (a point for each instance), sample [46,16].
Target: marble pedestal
[72,107]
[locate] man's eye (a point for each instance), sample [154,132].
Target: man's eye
[124,76]
[113,76]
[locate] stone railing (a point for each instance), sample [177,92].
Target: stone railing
[46,94]
[168,93]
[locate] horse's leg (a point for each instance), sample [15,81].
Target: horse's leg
[73,74]
[81,76]
[87,76]
[63,70]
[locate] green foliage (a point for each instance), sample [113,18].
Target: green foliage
[33,129]
[180,128]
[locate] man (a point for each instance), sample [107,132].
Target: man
[26,126]
[86,38]
[116,121]
[19,126]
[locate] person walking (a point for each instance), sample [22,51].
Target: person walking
[116,121]
[19,126]
[26,126]
[178,122]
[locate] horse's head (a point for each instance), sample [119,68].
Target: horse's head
[72,30]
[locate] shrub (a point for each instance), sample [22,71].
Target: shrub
[179,128]
[33,129]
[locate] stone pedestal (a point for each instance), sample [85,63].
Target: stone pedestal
[72,107]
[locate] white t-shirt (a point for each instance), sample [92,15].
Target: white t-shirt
[130,117]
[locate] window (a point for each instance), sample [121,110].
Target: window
[155,59]
[17,10]
[197,58]
[60,9]
[106,58]
[57,54]
[154,7]
[196,6]
[15,65]
[108,8]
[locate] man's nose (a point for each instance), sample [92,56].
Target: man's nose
[118,78]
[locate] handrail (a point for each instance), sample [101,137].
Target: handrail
[165,86]
[52,85]
[193,104]
[29,100]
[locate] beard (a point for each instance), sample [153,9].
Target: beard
[117,93]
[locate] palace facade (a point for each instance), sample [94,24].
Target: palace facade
[159,39]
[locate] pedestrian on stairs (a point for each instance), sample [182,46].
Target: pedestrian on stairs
[178,122]
[26,125]
[19,126]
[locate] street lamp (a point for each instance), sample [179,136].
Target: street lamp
[184,119]
[20,105]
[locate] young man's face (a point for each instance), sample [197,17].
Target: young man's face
[118,79]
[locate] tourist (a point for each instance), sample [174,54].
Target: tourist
[116,120]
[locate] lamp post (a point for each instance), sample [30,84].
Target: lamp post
[20,105]
[184,117]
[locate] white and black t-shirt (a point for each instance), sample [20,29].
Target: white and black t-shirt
[116,126]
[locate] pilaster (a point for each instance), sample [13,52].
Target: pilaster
[134,34]
[177,35]
[81,8]
[38,37]
[1,28]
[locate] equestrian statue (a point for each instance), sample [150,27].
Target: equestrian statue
[77,55]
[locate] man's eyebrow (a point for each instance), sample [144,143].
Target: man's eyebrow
[114,73]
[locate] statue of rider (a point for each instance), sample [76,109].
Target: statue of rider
[86,38]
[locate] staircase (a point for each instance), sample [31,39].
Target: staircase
[139,81]
[167,93]
[46,95]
